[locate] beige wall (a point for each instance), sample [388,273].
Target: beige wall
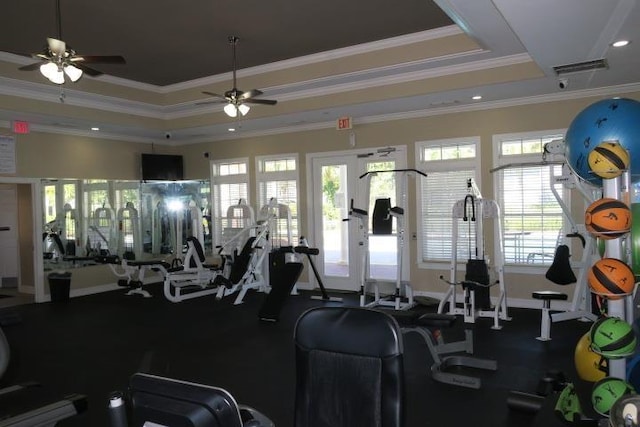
[526,118]
[49,155]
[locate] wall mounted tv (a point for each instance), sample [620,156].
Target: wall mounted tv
[162,167]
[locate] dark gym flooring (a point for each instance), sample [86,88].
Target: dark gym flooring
[91,345]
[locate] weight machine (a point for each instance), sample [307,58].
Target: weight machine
[475,300]
[382,224]
[580,307]
[193,279]
[101,235]
[243,269]
[129,243]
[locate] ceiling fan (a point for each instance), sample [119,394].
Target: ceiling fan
[236,99]
[58,59]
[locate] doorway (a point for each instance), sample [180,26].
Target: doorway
[337,182]
[21,275]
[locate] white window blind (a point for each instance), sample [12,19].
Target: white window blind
[440,191]
[449,164]
[532,219]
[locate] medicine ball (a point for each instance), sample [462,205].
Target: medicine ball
[590,366]
[606,120]
[568,408]
[608,159]
[611,278]
[612,338]
[607,391]
[608,218]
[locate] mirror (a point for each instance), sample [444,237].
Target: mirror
[130,219]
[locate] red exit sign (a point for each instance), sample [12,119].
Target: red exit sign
[20,127]
[344,123]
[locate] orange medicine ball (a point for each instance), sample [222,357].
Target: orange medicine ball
[608,218]
[611,277]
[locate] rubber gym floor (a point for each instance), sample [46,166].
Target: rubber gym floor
[91,345]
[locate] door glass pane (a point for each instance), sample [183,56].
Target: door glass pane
[383,247]
[335,235]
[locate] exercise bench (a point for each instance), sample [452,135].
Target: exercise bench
[545,320]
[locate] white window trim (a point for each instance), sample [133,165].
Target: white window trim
[499,160]
[225,179]
[441,166]
[279,176]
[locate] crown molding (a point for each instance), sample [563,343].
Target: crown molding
[505,103]
[266,68]
[46,92]
[358,81]
[416,114]
[382,76]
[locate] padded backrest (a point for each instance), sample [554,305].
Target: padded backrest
[241,261]
[349,369]
[199,252]
[382,222]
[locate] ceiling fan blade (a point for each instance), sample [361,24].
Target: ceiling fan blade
[249,94]
[90,71]
[95,59]
[260,101]
[221,101]
[31,67]
[57,47]
[214,94]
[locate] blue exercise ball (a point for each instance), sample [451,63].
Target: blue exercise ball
[615,119]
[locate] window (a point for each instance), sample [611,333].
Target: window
[277,178]
[449,165]
[230,184]
[532,218]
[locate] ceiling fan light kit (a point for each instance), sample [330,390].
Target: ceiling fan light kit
[232,110]
[55,73]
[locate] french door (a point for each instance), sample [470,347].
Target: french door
[337,186]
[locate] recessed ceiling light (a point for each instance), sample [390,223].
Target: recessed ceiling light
[232,129]
[95,129]
[476,97]
[620,43]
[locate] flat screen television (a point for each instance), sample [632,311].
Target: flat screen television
[160,401]
[161,167]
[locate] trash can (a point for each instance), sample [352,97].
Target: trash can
[59,285]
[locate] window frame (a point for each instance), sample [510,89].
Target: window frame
[288,175]
[500,160]
[428,167]
[216,179]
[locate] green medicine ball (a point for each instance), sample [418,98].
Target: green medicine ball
[607,391]
[612,338]
[568,408]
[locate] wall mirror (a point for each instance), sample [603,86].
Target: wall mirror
[130,219]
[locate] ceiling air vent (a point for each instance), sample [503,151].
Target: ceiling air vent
[596,64]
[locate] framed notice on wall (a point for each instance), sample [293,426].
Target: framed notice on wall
[7,154]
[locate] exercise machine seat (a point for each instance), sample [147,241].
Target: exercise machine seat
[560,271]
[349,369]
[167,401]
